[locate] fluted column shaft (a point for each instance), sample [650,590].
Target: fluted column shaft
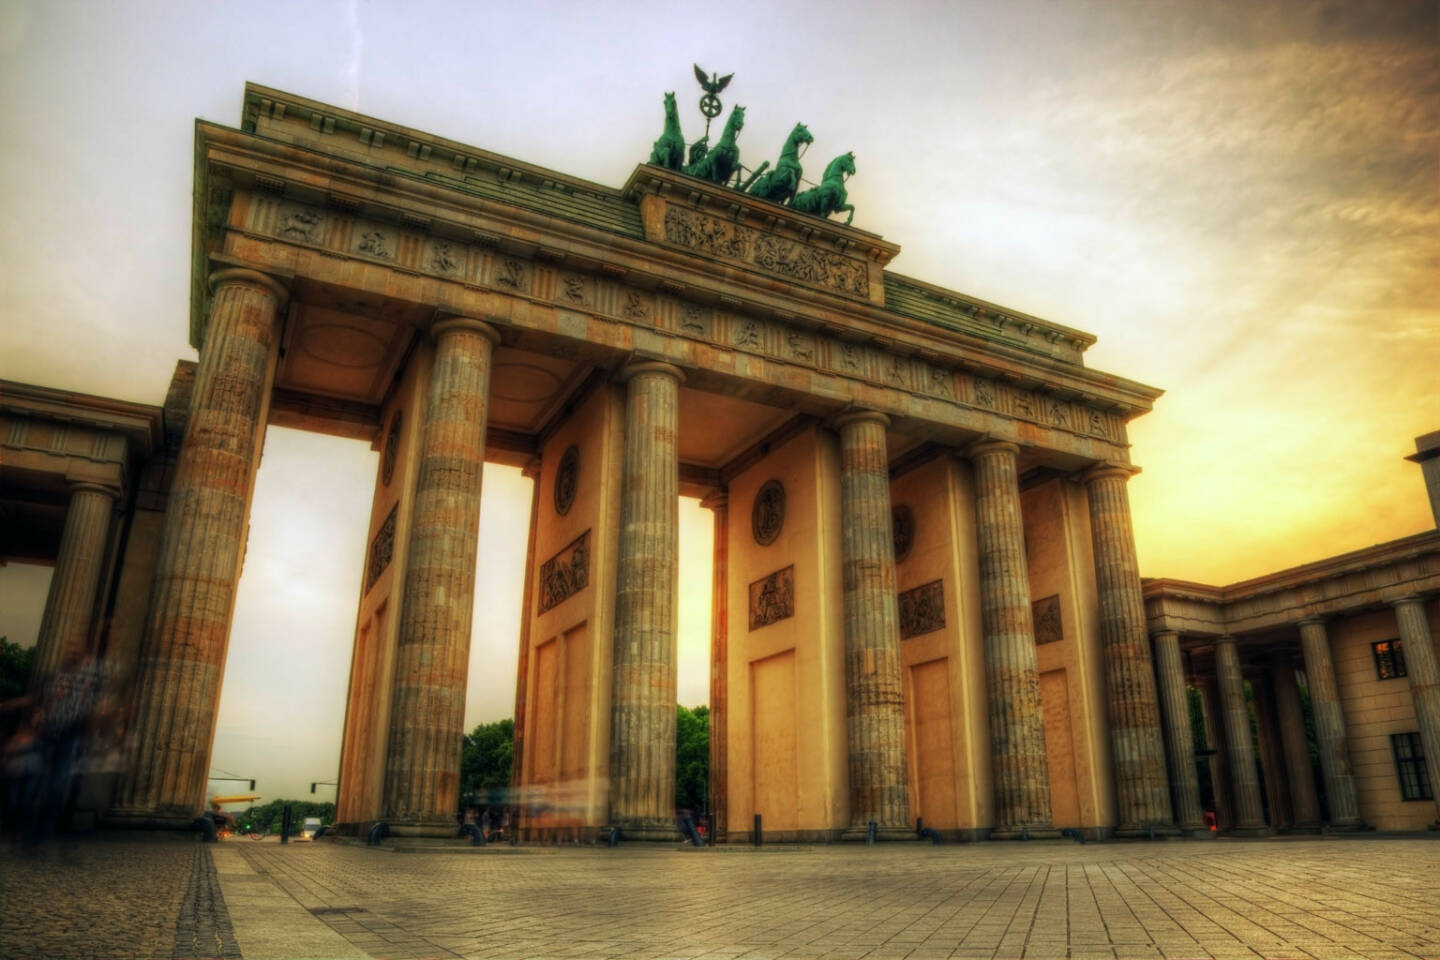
[719,785]
[65,626]
[1330,740]
[1017,722]
[1418,648]
[1175,707]
[874,698]
[1220,757]
[201,548]
[642,735]
[432,652]
[1142,788]
[1303,801]
[522,665]
[1249,813]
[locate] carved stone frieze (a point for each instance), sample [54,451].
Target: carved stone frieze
[922,609]
[772,598]
[392,448]
[902,528]
[410,247]
[767,516]
[382,549]
[791,259]
[1046,614]
[566,573]
[567,479]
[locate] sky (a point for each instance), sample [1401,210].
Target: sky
[1238,199]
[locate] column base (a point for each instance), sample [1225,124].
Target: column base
[1144,833]
[1197,833]
[436,827]
[1262,830]
[1306,827]
[1036,831]
[861,833]
[648,830]
[1349,826]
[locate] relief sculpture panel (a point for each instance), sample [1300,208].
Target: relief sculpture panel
[787,258]
[772,598]
[566,573]
[922,610]
[382,549]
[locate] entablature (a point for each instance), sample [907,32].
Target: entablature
[1352,582]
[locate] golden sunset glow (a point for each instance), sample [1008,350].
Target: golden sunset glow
[1239,200]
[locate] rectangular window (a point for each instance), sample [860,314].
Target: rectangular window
[1410,767]
[1389,661]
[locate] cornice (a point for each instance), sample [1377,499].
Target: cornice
[142,424]
[317,178]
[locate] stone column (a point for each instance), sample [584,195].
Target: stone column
[874,698]
[1272,762]
[1418,649]
[719,786]
[1017,723]
[65,627]
[201,547]
[1142,789]
[522,665]
[1295,745]
[642,718]
[1175,706]
[1330,739]
[1249,812]
[432,643]
[1219,759]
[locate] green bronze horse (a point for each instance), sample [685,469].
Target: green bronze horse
[780,184]
[722,160]
[829,197]
[669,150]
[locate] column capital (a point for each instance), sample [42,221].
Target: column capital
[858,416]
[452,324]
[531,468]
[1311,621]
[1406,600]
[1106,468]
[1225,638]
[636,368]
[716,499]
[248,276]
[987,445]
[1156,634]
[77,486]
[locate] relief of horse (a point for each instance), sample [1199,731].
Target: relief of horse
[669,150]
[780,184]
[830,196]
[722,160]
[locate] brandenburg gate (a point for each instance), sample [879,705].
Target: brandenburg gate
[925,594]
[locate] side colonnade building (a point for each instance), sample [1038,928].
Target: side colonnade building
[926,600]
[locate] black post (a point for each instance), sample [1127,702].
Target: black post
[759,834]
[710,827]
[285,824]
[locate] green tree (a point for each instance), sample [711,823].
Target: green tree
[16,663]
[692,757]
[268,817]
[485,758]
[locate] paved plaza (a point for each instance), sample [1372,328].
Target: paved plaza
[1321,898]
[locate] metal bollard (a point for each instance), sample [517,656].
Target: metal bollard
[870,829]
[285,824]
[759,835]
[710,828]
[614,836]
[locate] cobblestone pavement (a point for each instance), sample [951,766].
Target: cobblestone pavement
[99,898]
[1315,898]
[1324,898]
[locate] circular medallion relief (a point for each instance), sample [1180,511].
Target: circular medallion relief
[768,514]
[903,529]
[392,449]
[567,479]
